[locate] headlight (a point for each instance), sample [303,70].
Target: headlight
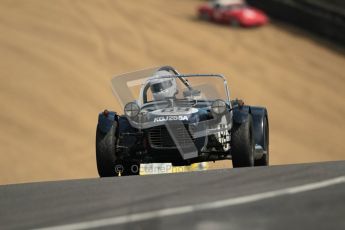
[218,107]
[132,109]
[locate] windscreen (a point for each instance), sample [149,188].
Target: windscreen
[169,99]
[145,86]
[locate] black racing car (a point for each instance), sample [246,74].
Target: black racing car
[180,119]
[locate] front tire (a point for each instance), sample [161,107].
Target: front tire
[105,151]
[242,144]
[264,160]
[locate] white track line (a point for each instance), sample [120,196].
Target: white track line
[197,207]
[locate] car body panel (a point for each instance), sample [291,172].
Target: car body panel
[181,131]
[244,15]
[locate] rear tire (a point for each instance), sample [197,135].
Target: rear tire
[242,144]
[105,151]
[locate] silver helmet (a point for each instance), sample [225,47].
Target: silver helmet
[163,88]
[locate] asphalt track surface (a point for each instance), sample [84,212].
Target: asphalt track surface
[302,196]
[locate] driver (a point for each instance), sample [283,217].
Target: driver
[163,88]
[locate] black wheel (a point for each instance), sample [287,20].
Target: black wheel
[204,16]
[242,144]
[264,160]
[105,151]
[234,23]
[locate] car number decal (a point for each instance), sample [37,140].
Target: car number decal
[170,118]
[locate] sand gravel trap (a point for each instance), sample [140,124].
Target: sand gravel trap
[57,59]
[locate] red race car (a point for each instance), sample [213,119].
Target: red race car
[232,12]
